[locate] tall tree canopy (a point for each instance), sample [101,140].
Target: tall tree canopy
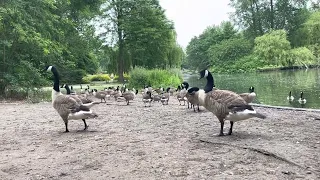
[271,34]
[36,33]
[141,35]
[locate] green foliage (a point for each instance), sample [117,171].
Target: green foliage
[96,77]
[300,56]
[126,77]
[198,49]
[272,47]
[248,63]
[228,51]
[155,77]
[312,26]
[142,36]
[36,33]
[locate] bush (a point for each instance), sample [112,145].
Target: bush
[155,77]
[96,77]
[300,56]
[125,76]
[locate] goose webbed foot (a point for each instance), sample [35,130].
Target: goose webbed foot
[85,124]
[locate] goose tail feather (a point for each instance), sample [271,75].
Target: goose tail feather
[259,115]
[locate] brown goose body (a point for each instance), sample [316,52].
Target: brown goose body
[146,98]
[193,99]
[166,97]
[128,96]
[81,98]
[249,97]
[100,95]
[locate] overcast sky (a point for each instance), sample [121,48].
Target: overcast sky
[191,17]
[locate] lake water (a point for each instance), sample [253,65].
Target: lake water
[272,88]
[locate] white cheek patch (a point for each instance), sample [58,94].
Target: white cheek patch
[206,72]
[49,68]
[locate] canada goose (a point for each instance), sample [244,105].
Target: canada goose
[117,93]
[81,90]
[108,91]
[193,99]
[156,98]
[128,96]
[166,97]
[83,97]
[171,91]
[159,90]
[249,97]
[224,104]
[68,106]
[302,100]
[72,91]
[100,95]
[179,97]
[290,97]
[182,94]
[146,98]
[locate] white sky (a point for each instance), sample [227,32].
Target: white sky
[191,17]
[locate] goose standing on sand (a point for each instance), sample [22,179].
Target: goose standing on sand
[165,97]
[183,92]
[146,98]
[302,100]
[224,104]
[68,107]
[290,98]
[192,96]
[129,96]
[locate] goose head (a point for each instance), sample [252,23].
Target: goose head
[251,89]
[185,85]
[168,89]
[178,88]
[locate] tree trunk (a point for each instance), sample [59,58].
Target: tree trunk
[120,43]
[254,20]
[120,57]
[259,19]
[271,15]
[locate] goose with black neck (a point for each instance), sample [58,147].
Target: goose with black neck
[68,107]
[224,104]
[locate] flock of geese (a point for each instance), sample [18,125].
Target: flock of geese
[224,104]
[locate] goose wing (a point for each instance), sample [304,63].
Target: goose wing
[219,101]
[66,104]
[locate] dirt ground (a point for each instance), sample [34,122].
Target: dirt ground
[157,142]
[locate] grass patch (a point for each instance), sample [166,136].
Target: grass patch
[96,77]
[139,77]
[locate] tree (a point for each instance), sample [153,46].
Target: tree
[197,50]
[142,32]
[227,52]
[272,47]
[36,33]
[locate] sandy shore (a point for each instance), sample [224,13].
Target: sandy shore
[158,142]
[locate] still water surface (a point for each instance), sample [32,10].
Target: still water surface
[272,88]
